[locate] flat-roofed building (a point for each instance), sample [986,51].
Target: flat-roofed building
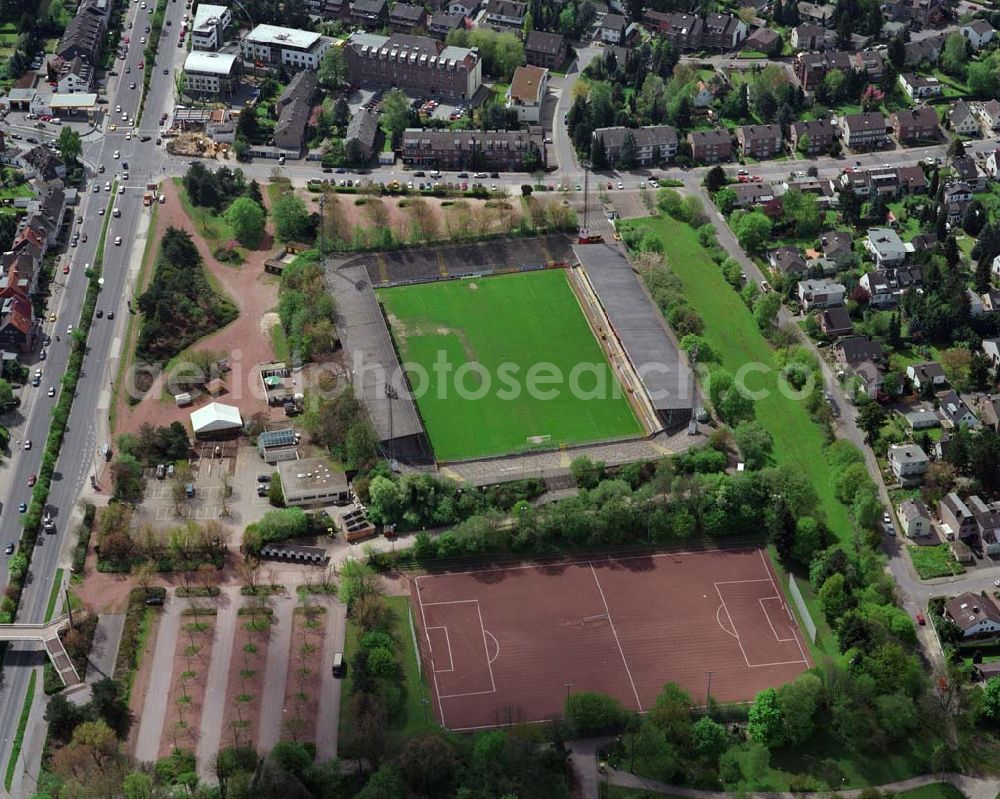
[209,26]
[312,481]
[208,74]
[298,49]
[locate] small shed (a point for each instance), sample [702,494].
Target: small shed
[215,386]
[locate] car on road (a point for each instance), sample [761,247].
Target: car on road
[100,169]
[118,109]
[69,330]
[886,519]
[118,241]
[27,443]
[921,620]
[9,549]
[166,72]
[765,286]
[42,355]
[142,40]
[22,508]
[32,480]
[141,65]
[620,185]
[97,188]
[154,601]
[128,70]
[36,381]
[52,317]
[121,189]
[132,85]
[100,313]
[111,314]
[100,211]
[52,391]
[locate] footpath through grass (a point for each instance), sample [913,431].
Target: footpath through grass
[521,330]
[733,333]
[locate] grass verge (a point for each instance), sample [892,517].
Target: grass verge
[212,227]
[22,725]
[935,561]
[730,327]
[416,715]
[939,790]
[50,609]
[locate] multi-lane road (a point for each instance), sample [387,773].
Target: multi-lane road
[87,426]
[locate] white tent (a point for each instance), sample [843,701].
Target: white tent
[215,418]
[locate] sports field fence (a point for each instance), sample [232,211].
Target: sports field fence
[800,603]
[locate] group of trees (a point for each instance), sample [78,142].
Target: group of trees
[306,310]
[180,305]
[501,53]
[273,526]
[572,20]
[153,444]
[339,423]
[226,191]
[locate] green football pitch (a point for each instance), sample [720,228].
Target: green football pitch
[508,325]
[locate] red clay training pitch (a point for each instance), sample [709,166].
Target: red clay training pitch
[508,644]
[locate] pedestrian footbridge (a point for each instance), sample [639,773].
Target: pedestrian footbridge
[48,636]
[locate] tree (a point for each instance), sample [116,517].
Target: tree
[871,417]
[7,399]
[111,706]
[755,444]
[764,721]
[291,218]
[710,738]
[955,54]
[799,701]
[991,699]
[715,179]
[765,309]
[429,765]
[628,151]
[593,714]
[804,144]
[725,201]
[896,51]
[69,145]
[753,230]
[808,540]
[247,220]
[333,68]
[598,153]
[395,114]
[586,472]
[850,205]
[834,597]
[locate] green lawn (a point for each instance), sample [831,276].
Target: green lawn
[731,329]
[517,328]
[209,225]
[50,609]
[935,561]
[417,714]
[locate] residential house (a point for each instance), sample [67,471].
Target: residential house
[416,64]
[838,247]
[85,32]
[835,321]
[329,9]
[543,49]
[763,40]
[813,12]
[908,464]
[362,132]
[369,13]
[867,381]
[653,144]
[614,30]
[290,131]
[818,135]
[870,61]
[911,180]
[808,36]
[886,287]
[303,86]
[527,91]
[923,51]
[914,518]
[956,519]
[926,374]
[711,146]
[788,261]
[703,96]
[968,171]
[811,68]
[41,163]
[209,26]
[502,150]
[962,119]
[820,294]
[991,349]
[989,115]
[978,33]
[683,31]
[915,124]
[955,412]
[754,195]
[441,24]
[973,614]
[988,523]
[850,352]
[463,8]
[917,87]
[991,300]
[864,131]
[74,76]
[956,197]
[18,326]
[992,166]
[886,246]
[406,18]
[918,419]
[988,408]
[976,307]
[759,141]
[723,32]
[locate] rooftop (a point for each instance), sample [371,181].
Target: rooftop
[287,37]
[308,475]
[204,62]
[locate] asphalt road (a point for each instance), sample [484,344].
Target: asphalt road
[86,428]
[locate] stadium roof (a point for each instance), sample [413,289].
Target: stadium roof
[371,355]
[215,417]
[665,376]
[209,63]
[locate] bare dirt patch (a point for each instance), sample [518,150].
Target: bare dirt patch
[192,655]
[245,686]
[304,683]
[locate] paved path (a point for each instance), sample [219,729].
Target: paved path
[104,653]
[328,720]
[273,708]
[154,708]
[214,705]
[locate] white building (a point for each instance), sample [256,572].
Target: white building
[294,48]
[209,26]
[526,92]
[215,419]
[208,74]
[974,614]
[914,518]
[908,463]
[312,481]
